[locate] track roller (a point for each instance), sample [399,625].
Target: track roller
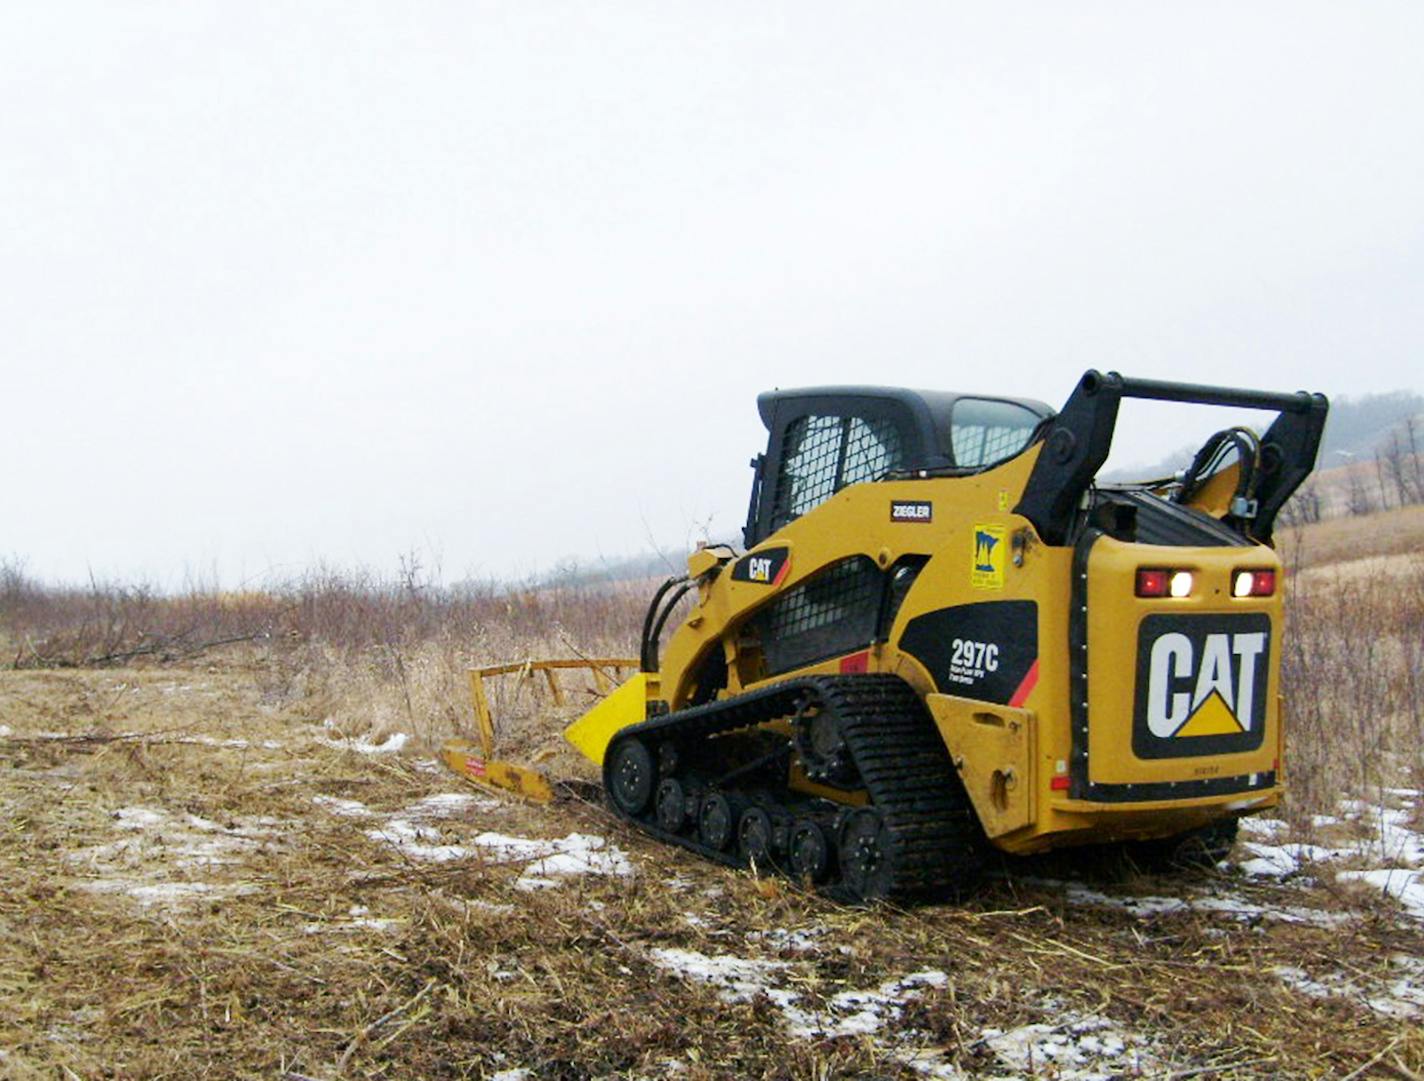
[717,816]
[718,778]
[810,854]
[629,776]
[866,855]
[755,836]
[672,805]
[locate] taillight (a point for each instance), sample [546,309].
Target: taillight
[1253,583]
[1162,582]
[1151,583]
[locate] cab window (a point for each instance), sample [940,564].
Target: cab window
[820,455]
[984,432]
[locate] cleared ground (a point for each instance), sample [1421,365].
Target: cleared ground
[199,879]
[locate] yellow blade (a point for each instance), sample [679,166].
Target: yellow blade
[592,732]
[462,756]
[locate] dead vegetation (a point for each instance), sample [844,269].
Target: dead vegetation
[178,903]
[1353,667]
[316,949]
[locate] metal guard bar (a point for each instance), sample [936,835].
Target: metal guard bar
[599,666]
[1202,394]
[1075,444]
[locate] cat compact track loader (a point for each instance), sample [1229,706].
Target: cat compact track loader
[944,636]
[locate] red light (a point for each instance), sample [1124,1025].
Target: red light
[1253,583]
[1152,583]
[1059,784]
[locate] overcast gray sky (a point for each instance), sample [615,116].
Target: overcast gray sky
[288,282]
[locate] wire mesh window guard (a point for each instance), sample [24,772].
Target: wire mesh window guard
[821,455]
[833,613]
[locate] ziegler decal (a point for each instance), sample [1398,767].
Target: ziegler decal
[987,651]
[1201,685]
[767,567]
[987,567]
[911,510]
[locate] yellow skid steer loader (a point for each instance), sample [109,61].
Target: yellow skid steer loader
[945,635]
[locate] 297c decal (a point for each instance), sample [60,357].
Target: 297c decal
[1201,684]
[987,651]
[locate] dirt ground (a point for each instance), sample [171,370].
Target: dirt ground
[200,880]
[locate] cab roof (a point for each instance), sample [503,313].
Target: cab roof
[928,414]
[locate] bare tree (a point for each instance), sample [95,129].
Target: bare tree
[1382,470]
[1358,495]
[1414,472]
[1303,508]
[1398,468]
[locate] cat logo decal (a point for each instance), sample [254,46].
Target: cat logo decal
[1201,684]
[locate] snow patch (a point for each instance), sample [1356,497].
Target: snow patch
[347,808]
[1387,854]
[154,845]
[1402,996]
[577,854]
[359,918]
[363,744]
[1230,905]
[549,861]
[1405,886]
[486,908]
[1080,1047]
[849,1013]
[449,804]
[138,818]
[1391,850]
[1268,828]
[165,894]
[1283,860]
[860,1013]
[737,979]
[789,941]
[418,842]
[230,744]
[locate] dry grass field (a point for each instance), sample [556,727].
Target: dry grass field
[242,861]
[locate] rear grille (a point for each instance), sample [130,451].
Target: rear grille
[1172,524]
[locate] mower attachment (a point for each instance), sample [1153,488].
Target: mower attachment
[476,761]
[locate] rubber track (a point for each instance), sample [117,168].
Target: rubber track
[935,840]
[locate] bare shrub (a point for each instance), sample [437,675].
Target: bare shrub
[1351,678]
[366,653]
[373,655]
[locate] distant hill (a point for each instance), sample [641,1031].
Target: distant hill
[1354,428]
[644,565]
[1357,426]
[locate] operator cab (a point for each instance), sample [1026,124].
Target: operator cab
[822,439]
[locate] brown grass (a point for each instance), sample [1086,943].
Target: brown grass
[1341,540]
[1353,667]
[270,973]
[281,981]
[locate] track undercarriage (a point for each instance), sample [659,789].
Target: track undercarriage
[716,779]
